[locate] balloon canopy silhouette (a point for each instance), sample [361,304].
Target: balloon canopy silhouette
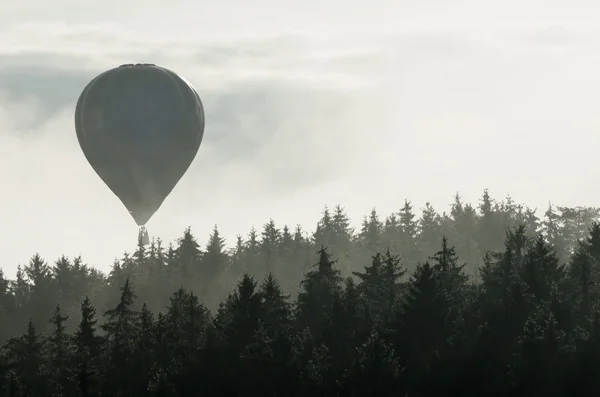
[140,127]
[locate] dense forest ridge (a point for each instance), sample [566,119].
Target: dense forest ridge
[392,309]
[288,254]
[476,230]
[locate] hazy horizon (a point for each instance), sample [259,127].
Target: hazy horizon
[362,107]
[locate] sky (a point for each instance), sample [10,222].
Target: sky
[363,104]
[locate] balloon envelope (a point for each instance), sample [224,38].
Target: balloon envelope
[140,127]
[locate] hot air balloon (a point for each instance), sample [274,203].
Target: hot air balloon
[140,127]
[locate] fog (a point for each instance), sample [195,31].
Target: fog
[363,108]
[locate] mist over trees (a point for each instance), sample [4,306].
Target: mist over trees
[487,299]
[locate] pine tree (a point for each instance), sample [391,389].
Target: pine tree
[392,233]
[490,228]
[319,290]
[340,239]
[140,256]
[43,295]
[143,353]
[541,269]
[380,284]
[375,371]
[289,261]
[350,323]
[188,259]
[238,316]
[117,277]
[303,258]
[421,328]
[452,277]
[409,228]
[121,327]
[215,259]
[271,237]
[26,356]
[317,375]
[252,255]
[64,277]
[267,359]
[276,311]
[371,233]
[430,226]
[88,350]
[342,230]
[7,307]
[60,357]
[324,230]
[238,265]
[537,370]
[584,274]
[370,283]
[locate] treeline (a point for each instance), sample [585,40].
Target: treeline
[386,310]
[212,270]
[531,327]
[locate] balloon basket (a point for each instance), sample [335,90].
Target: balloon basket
[143,238]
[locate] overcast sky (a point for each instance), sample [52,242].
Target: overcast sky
[319,102]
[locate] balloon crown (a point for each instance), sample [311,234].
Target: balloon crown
[128,65]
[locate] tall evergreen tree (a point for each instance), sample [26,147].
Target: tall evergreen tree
[319,290]
[88,353]
[60,354]
[215,258]
[188,259]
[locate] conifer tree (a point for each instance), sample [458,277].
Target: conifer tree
[271,237]
[187,259]
[88,350]
[60,356]
[26,356]
[121,328]
[215,259]
[375,370]
[319,290]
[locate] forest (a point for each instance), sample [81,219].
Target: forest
[485,299]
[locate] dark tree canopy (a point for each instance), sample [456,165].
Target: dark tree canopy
[488,300]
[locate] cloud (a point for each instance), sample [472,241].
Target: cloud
[281,118]
[294,122]
[263,107]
